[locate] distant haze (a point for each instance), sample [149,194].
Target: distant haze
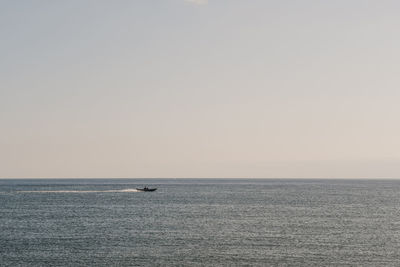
[174,88]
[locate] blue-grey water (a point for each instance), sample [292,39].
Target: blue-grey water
[199,222]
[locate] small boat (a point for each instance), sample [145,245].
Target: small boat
[146,189]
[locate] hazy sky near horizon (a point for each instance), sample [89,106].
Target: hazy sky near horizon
[175,88]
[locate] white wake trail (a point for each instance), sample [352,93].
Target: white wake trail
[128,190]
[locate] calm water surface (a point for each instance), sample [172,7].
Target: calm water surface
[199,222]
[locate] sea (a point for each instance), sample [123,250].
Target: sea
[199,222]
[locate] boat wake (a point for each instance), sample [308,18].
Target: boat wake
[128,190]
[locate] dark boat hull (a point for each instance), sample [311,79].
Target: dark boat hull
[146,189]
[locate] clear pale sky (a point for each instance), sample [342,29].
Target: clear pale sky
[174,88]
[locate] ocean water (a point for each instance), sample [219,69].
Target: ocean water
[199,222]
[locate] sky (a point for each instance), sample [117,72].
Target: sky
[196,88]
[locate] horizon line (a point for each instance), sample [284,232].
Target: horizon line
[248,178]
